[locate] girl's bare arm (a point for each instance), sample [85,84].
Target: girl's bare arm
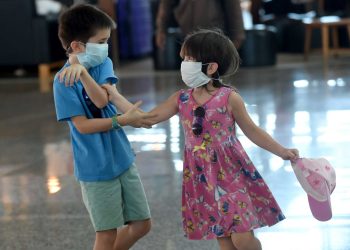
[254,133]
[164,110]
[116,98]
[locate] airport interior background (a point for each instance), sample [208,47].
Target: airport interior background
[294,79]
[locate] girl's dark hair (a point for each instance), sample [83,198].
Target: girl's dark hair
[211,45]
[80,22]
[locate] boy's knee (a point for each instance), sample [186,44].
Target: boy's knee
[107,236]
[141,228]
[147,226]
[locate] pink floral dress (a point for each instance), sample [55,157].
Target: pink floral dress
[222,192]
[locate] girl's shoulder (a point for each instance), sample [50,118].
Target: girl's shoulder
[226,91]
[235,100]
[228,88]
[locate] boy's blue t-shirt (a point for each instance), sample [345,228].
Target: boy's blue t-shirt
[97,156]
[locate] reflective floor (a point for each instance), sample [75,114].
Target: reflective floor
[302,105]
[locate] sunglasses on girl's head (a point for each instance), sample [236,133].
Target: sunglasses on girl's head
[95,111]
[197,126]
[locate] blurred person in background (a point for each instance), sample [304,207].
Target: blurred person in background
[191,15]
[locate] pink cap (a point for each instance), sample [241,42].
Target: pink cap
[317,178]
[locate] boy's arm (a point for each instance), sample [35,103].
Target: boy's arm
[132,118]
[97,94]
[89,126]
[76,72]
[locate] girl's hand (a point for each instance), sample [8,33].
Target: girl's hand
[111,90]
[72,74]
[289,154]
[136,118]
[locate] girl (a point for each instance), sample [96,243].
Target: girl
[223,195]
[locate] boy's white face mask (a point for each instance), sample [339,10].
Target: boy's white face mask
[94,54]
[192,75]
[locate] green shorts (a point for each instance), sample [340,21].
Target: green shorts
[116,202]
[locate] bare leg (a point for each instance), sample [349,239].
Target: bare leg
[104,239]
[246,241]
[128,235]
[226,244]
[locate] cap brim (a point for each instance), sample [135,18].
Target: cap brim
[321,210]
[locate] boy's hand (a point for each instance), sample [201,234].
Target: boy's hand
[73,59]
[135,117]
[72,74]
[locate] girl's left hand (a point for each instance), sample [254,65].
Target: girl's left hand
[71,74]
[290,154]
[111,90]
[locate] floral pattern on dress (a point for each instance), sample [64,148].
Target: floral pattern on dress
[222,192]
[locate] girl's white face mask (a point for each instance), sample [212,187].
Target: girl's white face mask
[94,55]
[192,75]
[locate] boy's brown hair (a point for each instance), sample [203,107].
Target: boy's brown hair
[80,22]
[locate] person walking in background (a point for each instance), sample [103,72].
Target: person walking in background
[223,195]
[191,15]
[103,158]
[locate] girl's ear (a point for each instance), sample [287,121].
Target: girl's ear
[212,68]
[77,47]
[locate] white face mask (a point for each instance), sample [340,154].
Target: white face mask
[94,54]
[192,75]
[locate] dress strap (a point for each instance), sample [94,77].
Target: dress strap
[226,91]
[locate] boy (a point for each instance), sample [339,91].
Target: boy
[103,159]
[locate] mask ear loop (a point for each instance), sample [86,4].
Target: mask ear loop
[84,44]
[204,67]
[217,79]
[69,49]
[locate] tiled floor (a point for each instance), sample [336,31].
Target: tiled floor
[301,105]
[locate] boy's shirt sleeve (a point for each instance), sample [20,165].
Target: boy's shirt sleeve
[106,73]
[67,102]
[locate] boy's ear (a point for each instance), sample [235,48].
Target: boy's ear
[212,68]
[77,47]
